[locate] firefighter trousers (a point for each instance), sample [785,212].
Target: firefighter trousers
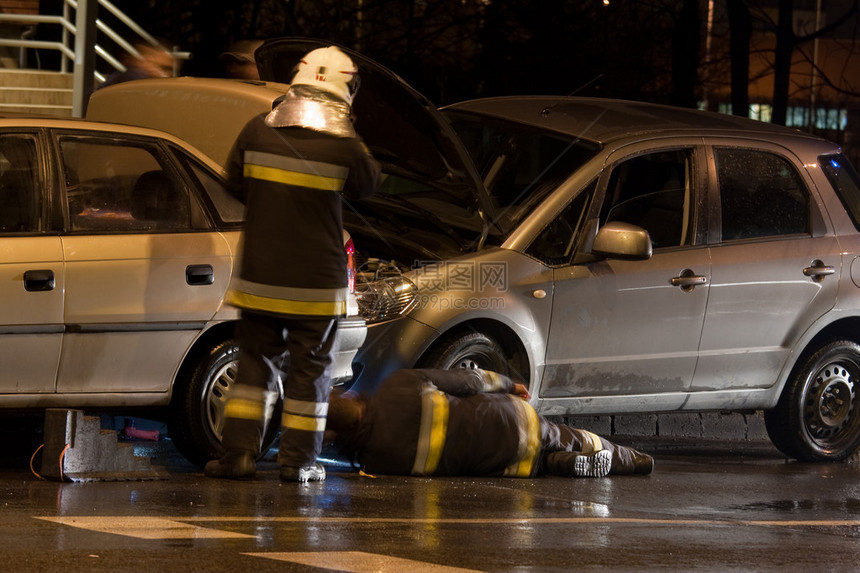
[560,442]
[281,352]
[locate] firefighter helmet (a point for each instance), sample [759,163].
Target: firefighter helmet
[330,70]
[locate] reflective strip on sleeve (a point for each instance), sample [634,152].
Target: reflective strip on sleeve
[431,433]
[492,381]
[528,450]
[294,171]
[305,416]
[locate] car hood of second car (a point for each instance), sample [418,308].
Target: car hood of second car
[405,131]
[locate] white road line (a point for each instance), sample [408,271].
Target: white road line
[176,527]
[146,527]
[359,562]
[536,521]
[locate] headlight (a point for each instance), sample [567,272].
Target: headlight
[385,299]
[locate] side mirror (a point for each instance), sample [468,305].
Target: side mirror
[617,240]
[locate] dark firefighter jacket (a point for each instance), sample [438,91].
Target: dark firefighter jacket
[291,180]
[448,422]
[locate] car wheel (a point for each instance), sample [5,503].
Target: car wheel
[469,350]
[818,416]
[197,416]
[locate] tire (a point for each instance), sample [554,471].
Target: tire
[469,350]
[197,414]
[818,415]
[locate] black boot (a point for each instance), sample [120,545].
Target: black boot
[232,465]
[643,464]
[575,464]
[627,461]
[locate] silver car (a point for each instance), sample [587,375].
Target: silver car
[619,257]
[116,248]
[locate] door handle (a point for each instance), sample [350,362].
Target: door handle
[818,270]
[39,280]
[688,280]
[199,275]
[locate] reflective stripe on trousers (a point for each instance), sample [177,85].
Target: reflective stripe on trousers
[305,416]
[529,445]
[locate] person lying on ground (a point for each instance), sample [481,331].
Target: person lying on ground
[466,422]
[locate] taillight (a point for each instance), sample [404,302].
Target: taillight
[350,264]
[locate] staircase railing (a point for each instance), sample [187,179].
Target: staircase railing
[69,22]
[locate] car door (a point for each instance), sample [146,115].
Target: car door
[775,266]
[144,273]
[31,272]
[632,327]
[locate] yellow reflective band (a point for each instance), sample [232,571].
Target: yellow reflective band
[529,440]
[431,433]
[596,443]
[492,380]
[304,423]
[305,408]
[242,409]
[280,306]
[302,294]
[309,180]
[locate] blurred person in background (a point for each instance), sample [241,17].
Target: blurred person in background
[149,62]
[239,61]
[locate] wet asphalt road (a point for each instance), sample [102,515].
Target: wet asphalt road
[704,509]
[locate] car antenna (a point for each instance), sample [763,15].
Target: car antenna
[548,110]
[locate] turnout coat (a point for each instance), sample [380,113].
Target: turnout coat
[292,181]
[448,422]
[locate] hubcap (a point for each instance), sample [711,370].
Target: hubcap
[217,394]
[830,401]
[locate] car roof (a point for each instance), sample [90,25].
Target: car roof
[208,112]
[12,120]
[605,120]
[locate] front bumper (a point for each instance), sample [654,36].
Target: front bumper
[389,346]
[351,333]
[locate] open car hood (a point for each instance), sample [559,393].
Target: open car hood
[404,130]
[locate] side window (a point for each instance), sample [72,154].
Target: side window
[556,243]
[228,209]
[653,191]
[761,195]
[20,186]
[120,186]
[846,183]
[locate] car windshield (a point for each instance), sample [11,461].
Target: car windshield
[415,220]
[519,164]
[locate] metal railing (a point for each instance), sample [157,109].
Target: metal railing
[78,46]
[65,46]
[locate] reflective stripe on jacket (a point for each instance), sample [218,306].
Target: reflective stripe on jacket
[292,180]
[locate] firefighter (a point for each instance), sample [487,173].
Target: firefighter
[466,422]
[291,168]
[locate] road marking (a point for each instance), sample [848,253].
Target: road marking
[534,521]
[146,527]
[359,562]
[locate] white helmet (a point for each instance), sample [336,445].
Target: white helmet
[328,69]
